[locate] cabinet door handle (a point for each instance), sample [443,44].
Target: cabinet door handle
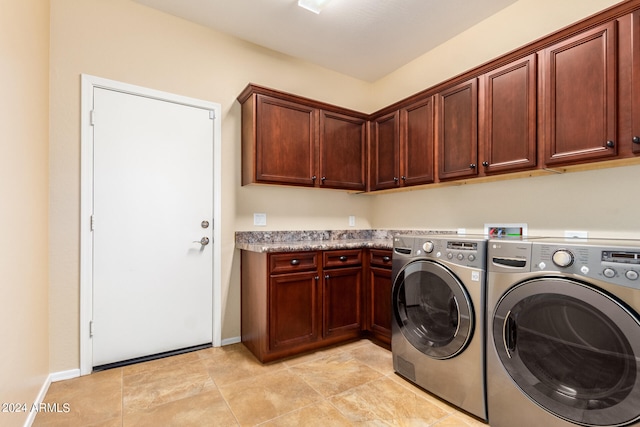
[323,179]
[472,166]
[611,144]
[404,178]
[326,277]
[636,139]
[343,258]
[295,261]
[313,178]
[485,164]
[386,258]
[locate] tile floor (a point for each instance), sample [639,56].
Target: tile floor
[348,385]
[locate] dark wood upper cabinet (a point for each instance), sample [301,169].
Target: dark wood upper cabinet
[283,149]
[385,151]
[508,117]
[416,143]
[290,140]
[457,137]
[635,82]
[343,151]
[579,97]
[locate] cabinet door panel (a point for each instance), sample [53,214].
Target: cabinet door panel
[416,148]
[457,142]
[342,151]
[385,152]
[380,304]
[286,141]
[293,315]
[580,97]
[342,302]
[510,105]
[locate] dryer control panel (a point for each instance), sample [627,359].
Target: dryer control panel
[619,265]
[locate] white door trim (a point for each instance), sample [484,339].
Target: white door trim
[86,204]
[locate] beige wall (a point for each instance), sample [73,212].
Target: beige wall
[24,129]
[125,41]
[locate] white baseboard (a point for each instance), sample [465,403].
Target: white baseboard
[229,341]
[51,378]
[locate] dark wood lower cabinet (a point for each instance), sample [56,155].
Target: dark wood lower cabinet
[378,307]
[342,302]
[294,318]
[295,302]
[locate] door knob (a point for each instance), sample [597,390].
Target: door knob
[204,241]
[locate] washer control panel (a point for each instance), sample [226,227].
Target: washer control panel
[465,252]
[619,265]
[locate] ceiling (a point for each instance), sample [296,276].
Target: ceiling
[365,39]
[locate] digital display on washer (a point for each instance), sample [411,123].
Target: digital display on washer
[468,246]
[621,256]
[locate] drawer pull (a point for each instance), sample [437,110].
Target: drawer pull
[343,258]
[295,261]
[386,258]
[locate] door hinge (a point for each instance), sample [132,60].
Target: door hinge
[91,329]
[93,223]
[92,117]
[212,114]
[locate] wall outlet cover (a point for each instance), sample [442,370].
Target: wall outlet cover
[572,234]
[260,219]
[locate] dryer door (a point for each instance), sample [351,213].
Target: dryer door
[432,309]
[572,349]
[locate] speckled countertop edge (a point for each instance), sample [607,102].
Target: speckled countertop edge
[314,240]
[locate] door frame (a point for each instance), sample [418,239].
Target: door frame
[88,83]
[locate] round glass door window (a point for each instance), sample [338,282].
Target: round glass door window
[432,309]
[572,349]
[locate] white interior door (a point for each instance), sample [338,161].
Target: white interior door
[153,189]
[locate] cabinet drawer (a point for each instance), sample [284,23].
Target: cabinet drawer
[293,261]
[342,258]
[380,258]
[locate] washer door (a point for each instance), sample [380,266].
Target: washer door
[432,309]
[572,349]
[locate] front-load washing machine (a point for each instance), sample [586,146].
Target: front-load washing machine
[438,317]
[563,341]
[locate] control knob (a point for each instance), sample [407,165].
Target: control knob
[428,247]
[562,258]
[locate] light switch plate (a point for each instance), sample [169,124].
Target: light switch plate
[260,219]
[352,221]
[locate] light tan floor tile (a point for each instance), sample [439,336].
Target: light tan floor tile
[208,353]
[158,364]
[150,388]
[203,409]
[319,414]
[387,401]
[353,384]
[91,399]
[335,373]
[256,400]
[232,366]
[374,356]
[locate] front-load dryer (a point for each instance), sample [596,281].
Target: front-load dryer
[438,317]
[563,341]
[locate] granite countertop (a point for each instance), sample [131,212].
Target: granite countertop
[294,241]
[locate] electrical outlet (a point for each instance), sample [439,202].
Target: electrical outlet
[260,219]
[572,234]
[352,221]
